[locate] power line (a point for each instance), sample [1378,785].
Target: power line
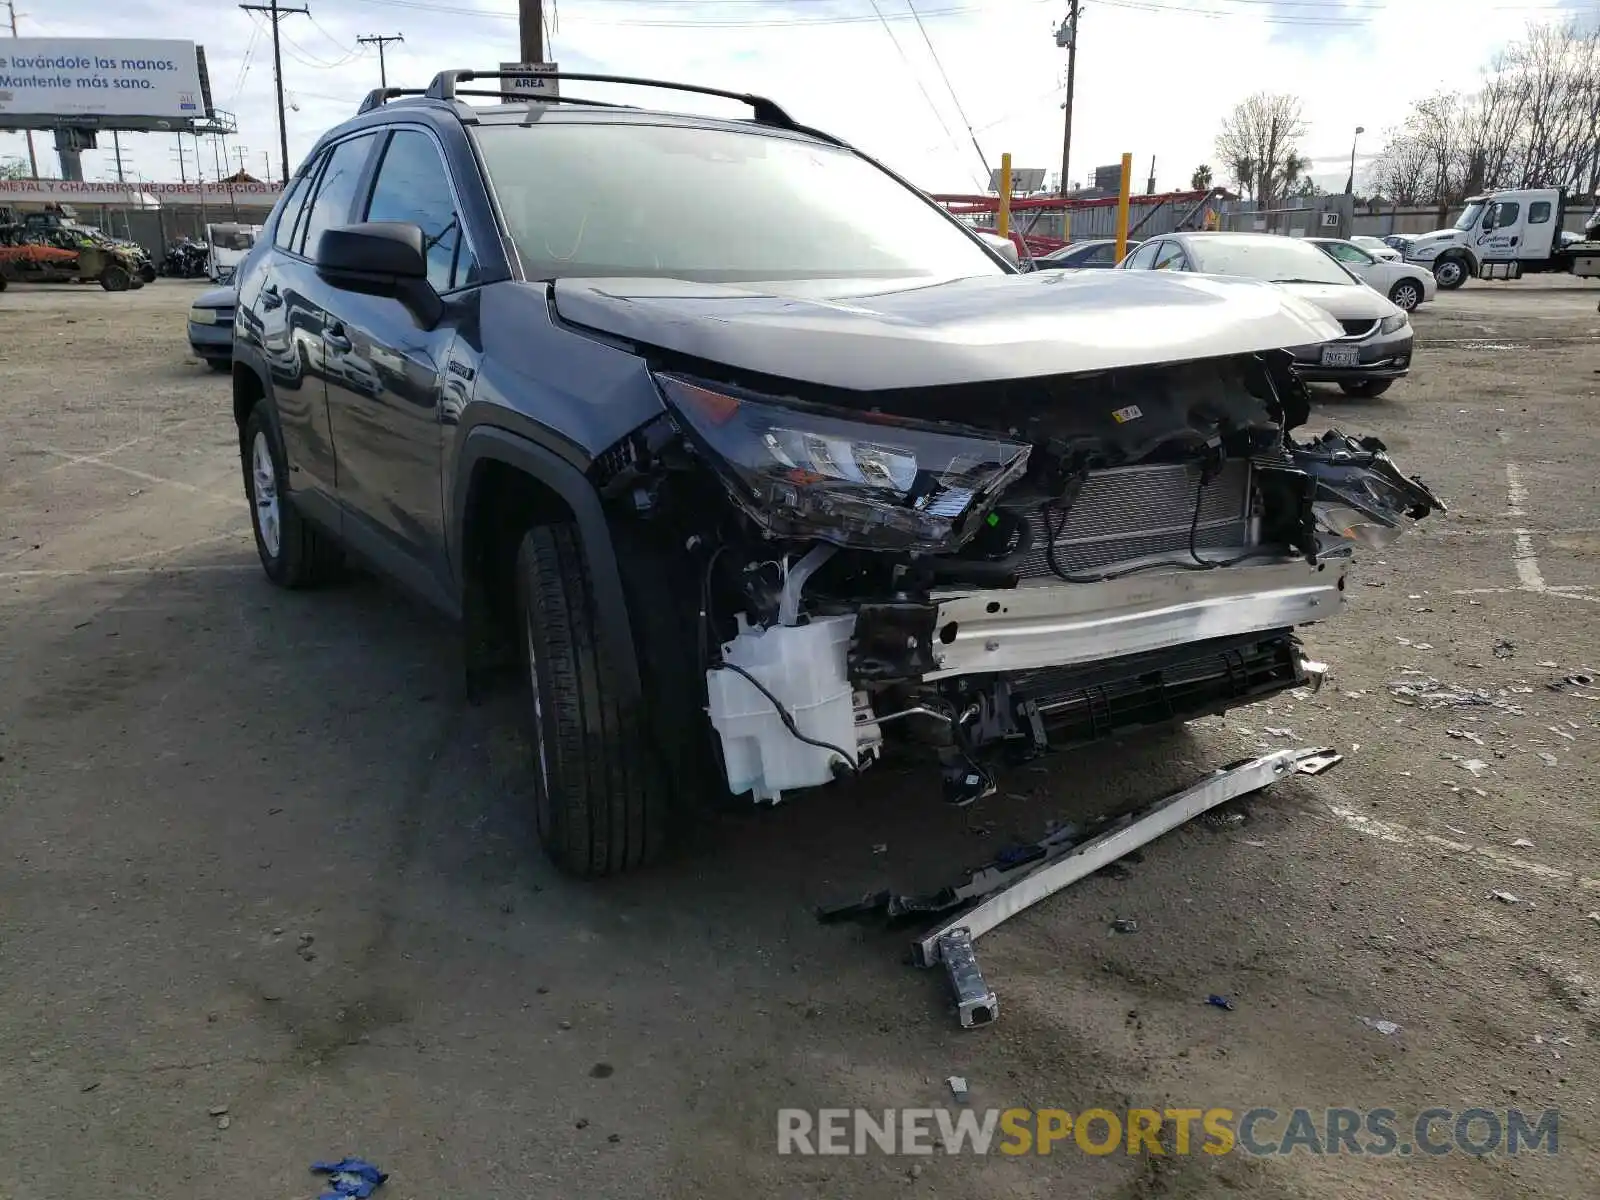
[306,59]
[715,22]
[948,86]
[277,14]
[915,78]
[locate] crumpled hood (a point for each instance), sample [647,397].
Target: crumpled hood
[1353,303]
[871,335]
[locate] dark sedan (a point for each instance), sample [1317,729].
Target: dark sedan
[211,327]
[1099,253]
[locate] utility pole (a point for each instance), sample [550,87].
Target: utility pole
[530,19]
[277,13]
[241,151]
[33,159]
[116,145]
[379,41]
[267,158]
[183,172]
[1067,35]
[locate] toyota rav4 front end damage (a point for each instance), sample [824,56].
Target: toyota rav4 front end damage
[1002,564]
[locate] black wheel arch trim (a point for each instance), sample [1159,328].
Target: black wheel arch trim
[487,443]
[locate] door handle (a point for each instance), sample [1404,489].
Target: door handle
[269,296]
[336,338]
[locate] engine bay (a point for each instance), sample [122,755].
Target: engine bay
[999,570]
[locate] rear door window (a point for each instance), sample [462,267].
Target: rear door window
[1538,212]
[1169,257]
[1144,256]
[293,204]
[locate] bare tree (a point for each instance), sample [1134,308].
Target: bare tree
[1260,140]
[1200,178]
[1401,172]
[14,168]
[1533,122]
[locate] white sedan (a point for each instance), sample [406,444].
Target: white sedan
[1376,247]
[1406,285]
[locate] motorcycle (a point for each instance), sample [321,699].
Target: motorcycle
[185,259]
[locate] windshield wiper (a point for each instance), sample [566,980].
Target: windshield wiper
[1299,280]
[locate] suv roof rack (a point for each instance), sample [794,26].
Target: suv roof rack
[443,87]
[378,97]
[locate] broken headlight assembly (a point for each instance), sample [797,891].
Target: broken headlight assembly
[852,479]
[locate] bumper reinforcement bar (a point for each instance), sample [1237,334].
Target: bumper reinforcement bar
[1004,893]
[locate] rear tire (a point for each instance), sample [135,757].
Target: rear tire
[293,553]
[219,364]
[1366,388]
[607,775]
[1406,295]
[147,272]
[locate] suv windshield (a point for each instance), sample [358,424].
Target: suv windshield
[709,204]
[1469,215]
[1275,259]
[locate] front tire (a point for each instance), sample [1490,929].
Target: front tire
[603,795]
[116,279]
[1406,295]
[1451,273]
[293,553]
[1367,389]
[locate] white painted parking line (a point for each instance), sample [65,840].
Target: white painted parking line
[98,455]
[69,573]
[1396,834]
[89,460]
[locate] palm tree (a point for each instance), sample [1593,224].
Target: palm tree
[1200,180]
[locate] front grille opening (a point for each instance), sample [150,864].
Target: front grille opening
[1089,702]
[1129,513]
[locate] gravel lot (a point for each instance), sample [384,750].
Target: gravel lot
[260,853]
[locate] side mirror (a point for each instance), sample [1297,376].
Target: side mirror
[381,258]
[1004,247]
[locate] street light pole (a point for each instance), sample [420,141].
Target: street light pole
[1350,183]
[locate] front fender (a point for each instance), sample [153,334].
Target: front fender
[484,443]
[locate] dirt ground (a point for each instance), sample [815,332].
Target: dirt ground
[259,852]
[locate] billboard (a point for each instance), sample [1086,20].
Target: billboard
[101,81]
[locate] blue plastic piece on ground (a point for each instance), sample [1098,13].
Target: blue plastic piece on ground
[349,1177]
[1220,1002]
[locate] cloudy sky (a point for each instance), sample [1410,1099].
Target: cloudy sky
[1154,76]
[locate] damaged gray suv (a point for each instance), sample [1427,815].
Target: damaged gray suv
[749,462]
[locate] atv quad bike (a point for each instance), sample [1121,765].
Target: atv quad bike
[112,268]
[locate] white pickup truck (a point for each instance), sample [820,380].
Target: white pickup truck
[1505,235]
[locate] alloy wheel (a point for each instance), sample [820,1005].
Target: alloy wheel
[264,478]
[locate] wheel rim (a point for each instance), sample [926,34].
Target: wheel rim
[1406,296]
[538,708]
[1449,272]
[264,477]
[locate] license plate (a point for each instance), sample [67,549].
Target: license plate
[1341,356]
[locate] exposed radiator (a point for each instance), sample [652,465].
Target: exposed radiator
[1128,513]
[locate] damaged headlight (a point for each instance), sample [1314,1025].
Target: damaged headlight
[1393,323]
[856,480]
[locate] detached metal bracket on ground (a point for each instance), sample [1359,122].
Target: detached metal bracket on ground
[951,944]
